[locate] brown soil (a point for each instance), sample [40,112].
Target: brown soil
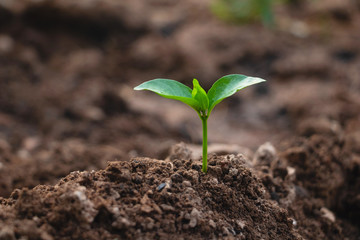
[288,166]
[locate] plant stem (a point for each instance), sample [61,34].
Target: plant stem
[204,161]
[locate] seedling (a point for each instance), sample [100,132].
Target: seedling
[198,99]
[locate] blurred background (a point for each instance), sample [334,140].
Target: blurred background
[67,70]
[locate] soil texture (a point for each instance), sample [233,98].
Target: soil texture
[83,156]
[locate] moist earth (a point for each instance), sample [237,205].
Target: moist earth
[239,198]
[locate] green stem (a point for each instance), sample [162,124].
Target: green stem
[204,162]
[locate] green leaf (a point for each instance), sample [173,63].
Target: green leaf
[199,94]
[171,89]
[227,86]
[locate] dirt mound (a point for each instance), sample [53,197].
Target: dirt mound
[145,198]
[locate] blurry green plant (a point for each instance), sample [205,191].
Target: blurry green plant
[242,11]
[197,98]
[239,11]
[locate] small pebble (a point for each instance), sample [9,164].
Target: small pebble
[186,183]
[166,207]
[265,154]
[195,215]
[291,171]
[326,213]
[240,223]
[233,172]
[214,181]
[212,223]
[161,187]
[225,231]
[193,222]
[122,223]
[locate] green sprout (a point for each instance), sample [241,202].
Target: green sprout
[239,11]
[198,99]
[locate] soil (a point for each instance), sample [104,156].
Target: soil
[82,156]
